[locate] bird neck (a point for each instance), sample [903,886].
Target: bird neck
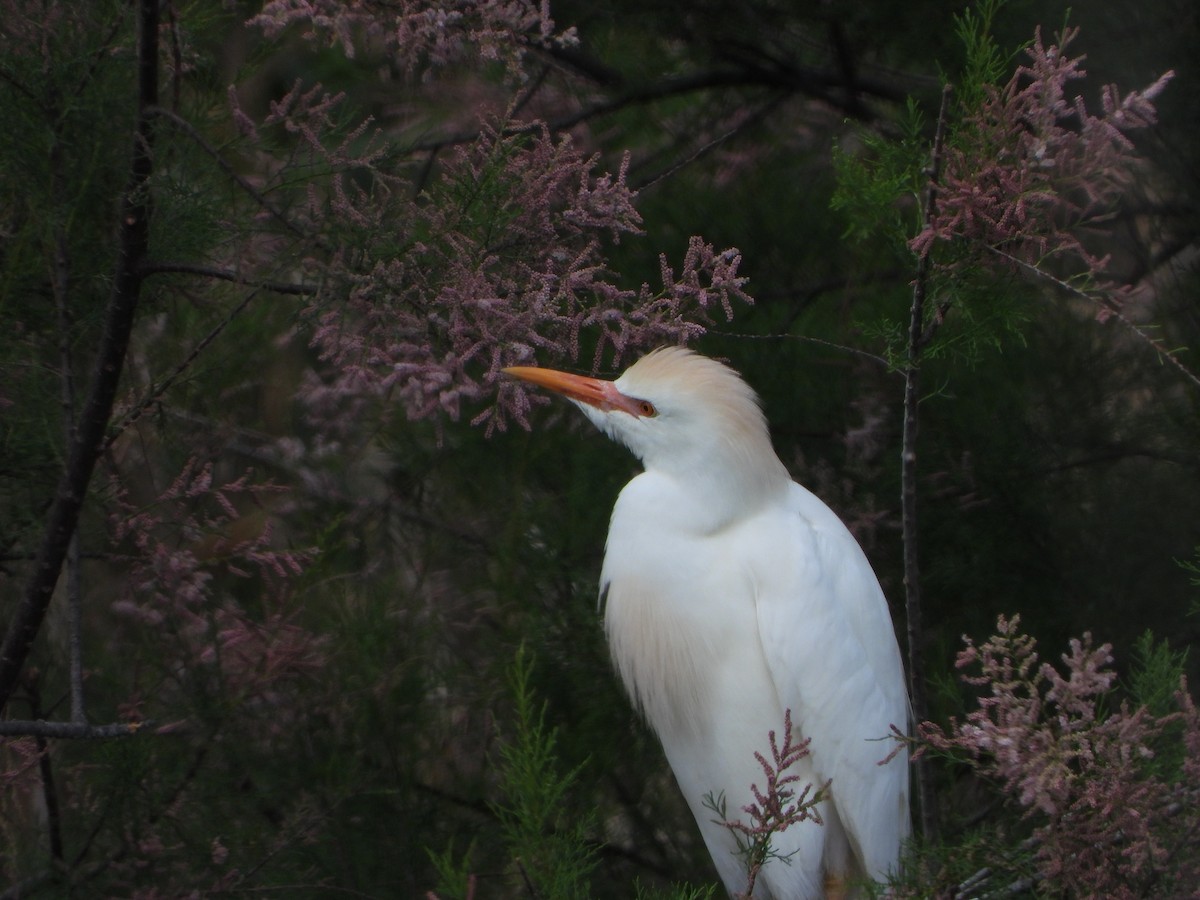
[724,487]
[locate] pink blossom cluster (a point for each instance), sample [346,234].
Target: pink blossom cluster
[428,289]
[777,805]
[1032,167]
[420,32]
[184,544]
[1107,821]
[501,259]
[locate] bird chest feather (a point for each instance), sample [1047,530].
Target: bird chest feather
[676,602]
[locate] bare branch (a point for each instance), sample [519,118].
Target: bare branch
[290,288]
[69,730]
[60,278]
[820,85]
[927,802]
[84,449]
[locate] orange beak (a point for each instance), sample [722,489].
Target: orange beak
[603,395]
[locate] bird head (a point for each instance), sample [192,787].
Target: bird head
[681,413]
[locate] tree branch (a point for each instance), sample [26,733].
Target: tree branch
[926,799]
[290,288]
[46,771]
[809,82]
[60,282]
[41,728]
[83,451]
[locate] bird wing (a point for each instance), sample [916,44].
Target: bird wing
[831,649]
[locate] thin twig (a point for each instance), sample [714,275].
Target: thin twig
[103,52]
[1108,308]
[808,339]
[26,557]
[156,391]
[19,86]
[529,886]
[703,150]
[187,128]
[935,322]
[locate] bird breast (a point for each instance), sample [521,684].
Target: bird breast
[679,609]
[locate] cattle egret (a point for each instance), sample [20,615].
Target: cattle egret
[732,595]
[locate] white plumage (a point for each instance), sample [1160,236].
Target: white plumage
[733,594]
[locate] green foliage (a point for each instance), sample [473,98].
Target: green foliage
[547,835]
[1154,681]
[1157,669]
[480,198]
[676,892]
[985,64]
[454,878]
[977,858]
[879,183]
[880,195]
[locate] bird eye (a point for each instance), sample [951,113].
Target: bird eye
[646,409]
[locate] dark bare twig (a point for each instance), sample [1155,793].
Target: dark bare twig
[103,52]
[20,87]
[529,886]
[81,874]
[833,345]
[183,125]
[156,391]
[926,800]
[814,83]
[1110,309]
[26,557]
[289,288]
[755,117]
[935,322]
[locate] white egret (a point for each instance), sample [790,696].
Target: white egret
[732,594]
